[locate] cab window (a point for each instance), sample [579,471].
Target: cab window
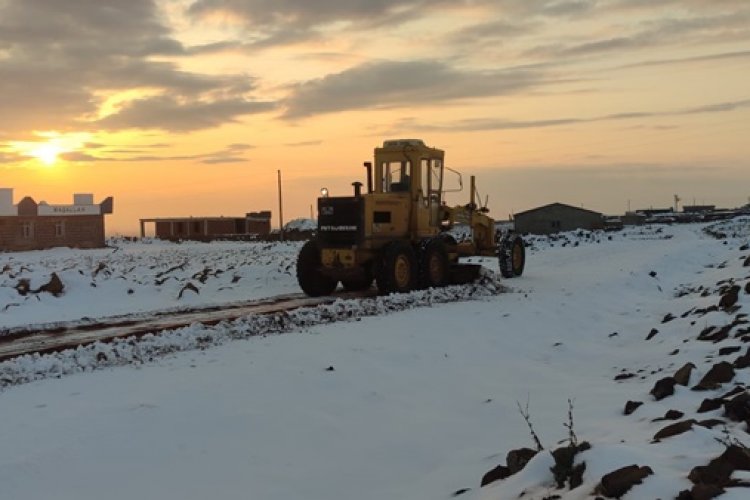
[396,176]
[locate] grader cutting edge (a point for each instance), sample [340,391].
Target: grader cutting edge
[398,232]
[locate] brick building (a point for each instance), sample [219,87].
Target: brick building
[253,225]
[29,225]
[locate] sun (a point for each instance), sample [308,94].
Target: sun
[53,144]
[46,153]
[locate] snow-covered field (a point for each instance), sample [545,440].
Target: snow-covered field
[408,397]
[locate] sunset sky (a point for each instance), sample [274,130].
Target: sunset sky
[189,107]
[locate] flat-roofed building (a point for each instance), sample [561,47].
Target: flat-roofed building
[29,225]
[252,225]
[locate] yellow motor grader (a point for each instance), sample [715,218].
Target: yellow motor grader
[398,231]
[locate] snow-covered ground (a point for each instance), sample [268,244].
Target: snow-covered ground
[132,277]
[387,398]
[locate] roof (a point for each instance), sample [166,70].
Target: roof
[558,205]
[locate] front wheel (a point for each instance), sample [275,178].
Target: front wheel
[511,256]
[309,276]
[397,272]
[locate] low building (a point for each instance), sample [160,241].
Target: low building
[29,225]
[633,219]
[557,217]
[252,225]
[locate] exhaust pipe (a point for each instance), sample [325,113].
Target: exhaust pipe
[357,189]
[368,166]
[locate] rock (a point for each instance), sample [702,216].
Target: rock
[517,459]
[710,423]
[330,369]
[189,287]
[663,388]
[742,361]
[718,472]
[747,287]
[670,415]
[715,334]
[618,482]
[631,406]
[710,404]
[747,262]
[701,491]
[737,456]
[719,374]
[652,274]
[652,333]
[564,470]
[737,390]
[669,317]
[725,351]
[682,376]
[460,492]
[54,286]
[624,376]
[738,409]
[674,429]
[496,474]
[729,298]
[23,287]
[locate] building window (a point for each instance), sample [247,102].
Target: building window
[197,229]
[60,228]
[28,229]
[179,227]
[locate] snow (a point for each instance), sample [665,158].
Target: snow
[423,396]
[301,225]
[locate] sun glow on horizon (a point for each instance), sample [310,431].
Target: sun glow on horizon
[48,151]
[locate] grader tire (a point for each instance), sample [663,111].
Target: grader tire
[312,281]
[397,272]
[511,256]
[433,264]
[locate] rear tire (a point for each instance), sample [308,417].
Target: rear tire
[309,276]
[433,264]
[511,256]
[397,272]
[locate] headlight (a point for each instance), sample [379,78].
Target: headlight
[324,192]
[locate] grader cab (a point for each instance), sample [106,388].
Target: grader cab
[398,231]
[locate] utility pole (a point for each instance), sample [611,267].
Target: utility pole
[281,211]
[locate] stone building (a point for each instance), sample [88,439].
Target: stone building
[29,225]
[557,217]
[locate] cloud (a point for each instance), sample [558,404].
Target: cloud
[721,56]
[58,58]
[229,154]
[165,112]
[388,84]
[675,30]
[303,144]
[484,124]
